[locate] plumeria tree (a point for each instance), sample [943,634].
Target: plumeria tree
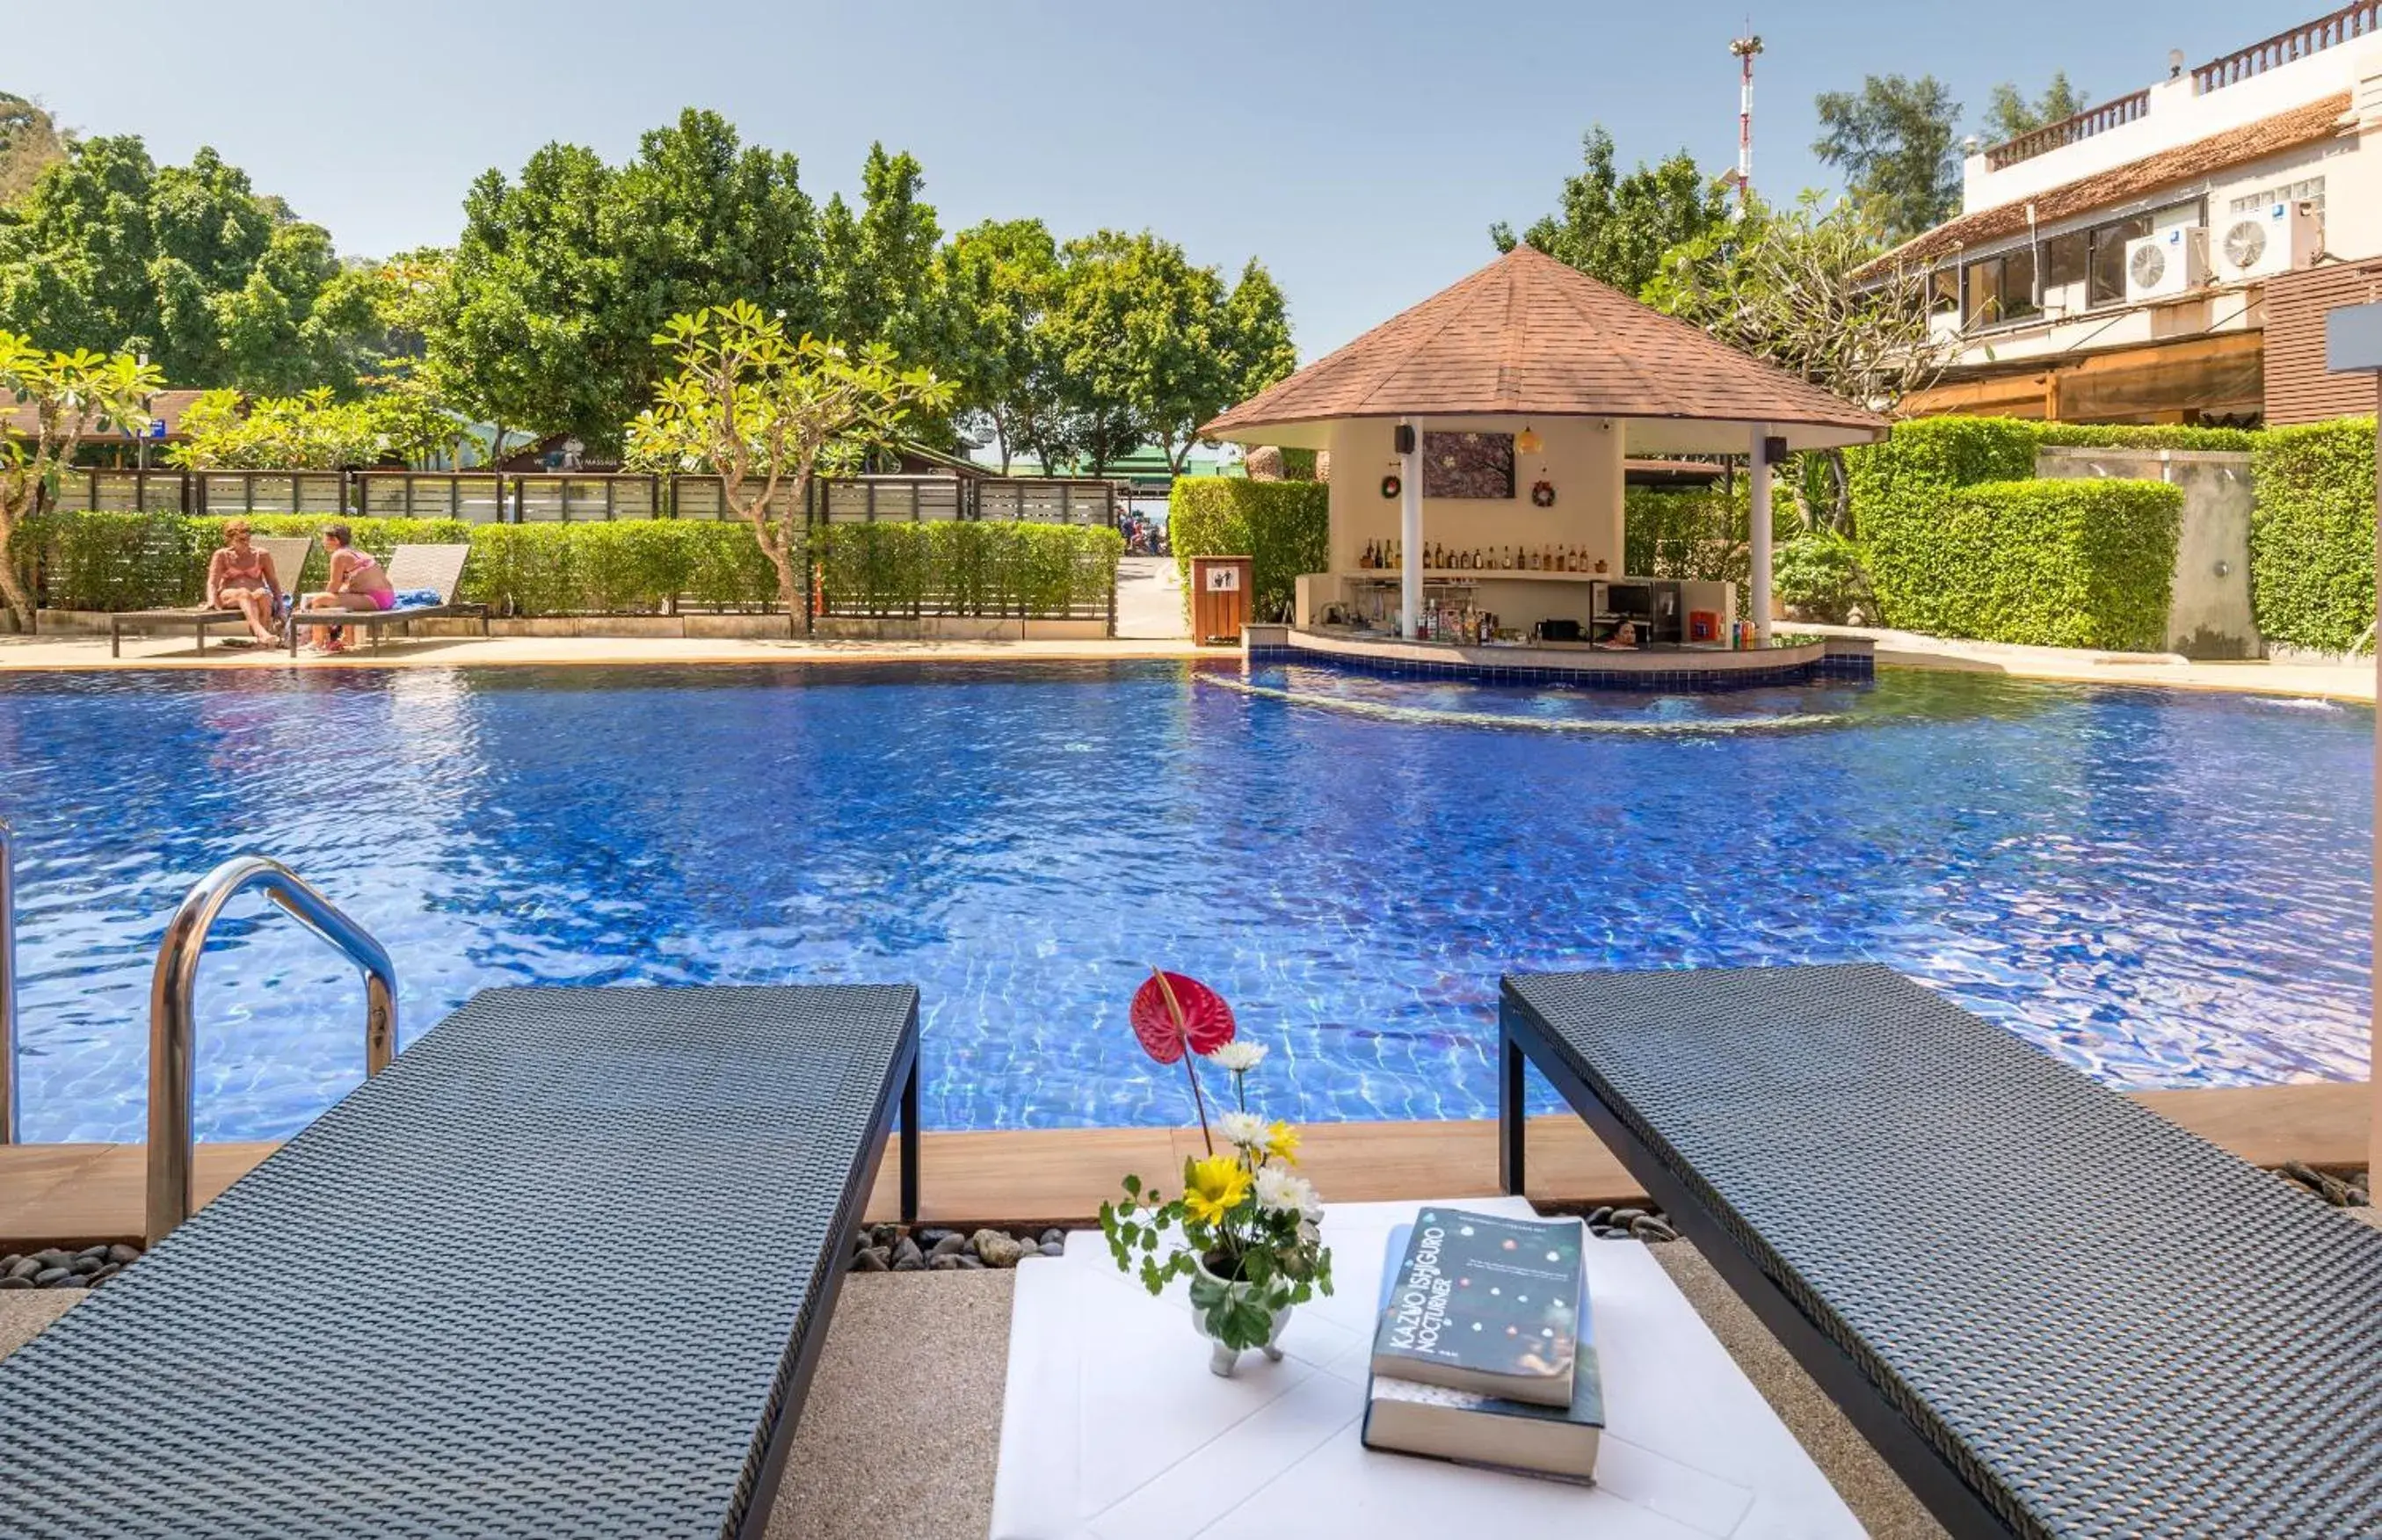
[1807,288]
[69,394]
[767,415]
[310,432]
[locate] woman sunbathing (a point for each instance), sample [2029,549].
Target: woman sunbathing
[241,577]
[356,582]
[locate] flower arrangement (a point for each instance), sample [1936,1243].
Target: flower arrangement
[1244,1230]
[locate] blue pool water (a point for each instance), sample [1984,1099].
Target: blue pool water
[2163,889]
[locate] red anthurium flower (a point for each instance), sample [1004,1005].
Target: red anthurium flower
[1206,1021]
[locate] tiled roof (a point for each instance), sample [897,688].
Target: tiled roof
[19,421]
[1528,335]
[2269,136]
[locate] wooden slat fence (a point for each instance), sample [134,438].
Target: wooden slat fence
[481,498]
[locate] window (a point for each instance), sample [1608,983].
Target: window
[1944,290]
[2064,258]
[2107,283]
[2308,189]
[2001,289]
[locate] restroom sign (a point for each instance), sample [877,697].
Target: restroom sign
[1223,580]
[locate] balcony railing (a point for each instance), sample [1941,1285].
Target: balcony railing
[2068,131]
[2345,25]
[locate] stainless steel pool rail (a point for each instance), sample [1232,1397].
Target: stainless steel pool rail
[7,985]
[172,1012]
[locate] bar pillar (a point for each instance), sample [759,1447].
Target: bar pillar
[1410,530]
[1758,474]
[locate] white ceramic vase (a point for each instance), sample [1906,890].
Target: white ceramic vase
[1222,1358]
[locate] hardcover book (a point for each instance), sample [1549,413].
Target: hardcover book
[1433,1419]
[1485,1304]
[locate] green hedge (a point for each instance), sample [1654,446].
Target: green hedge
[2312,534]
[150,560]
[983,567]
[1964,451]
[628,566]
[1819,573]
[1284,528]
[1698,534]
[2052,563]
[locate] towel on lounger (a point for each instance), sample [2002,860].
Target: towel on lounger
[415,599]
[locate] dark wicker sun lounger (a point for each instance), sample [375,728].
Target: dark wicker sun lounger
[437,569]
[563,1268]
[288,556]
[2054,1313]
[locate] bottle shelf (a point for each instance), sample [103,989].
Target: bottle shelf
[1480,574]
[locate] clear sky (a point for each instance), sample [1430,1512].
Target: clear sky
[1359,150]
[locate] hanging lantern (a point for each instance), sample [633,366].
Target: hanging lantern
[1527,441]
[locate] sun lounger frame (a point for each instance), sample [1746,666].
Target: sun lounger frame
[379,1389]
[199,620]
[415,566]
[1765,1110]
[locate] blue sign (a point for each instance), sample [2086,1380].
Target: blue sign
[157,428]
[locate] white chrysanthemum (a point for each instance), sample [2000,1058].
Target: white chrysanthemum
[1238,1057]
[1280,1191]
[1245,1130]
[1283,1193]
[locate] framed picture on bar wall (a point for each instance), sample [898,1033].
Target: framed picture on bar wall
[1477,466]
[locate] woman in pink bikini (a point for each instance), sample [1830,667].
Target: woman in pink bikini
[356,582]
[241,577]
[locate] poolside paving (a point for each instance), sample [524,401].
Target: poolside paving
[52,1193]
[1151,634]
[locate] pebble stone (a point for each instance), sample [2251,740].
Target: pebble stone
[58,1267]
[935,1248]
[938,1248]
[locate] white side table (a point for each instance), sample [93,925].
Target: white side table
[1114,1428]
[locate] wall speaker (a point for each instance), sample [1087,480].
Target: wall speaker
[1774,450]
[1406,438]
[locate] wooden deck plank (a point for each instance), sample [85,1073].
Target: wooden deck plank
[90,1192]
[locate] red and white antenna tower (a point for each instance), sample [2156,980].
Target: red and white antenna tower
[1745,48]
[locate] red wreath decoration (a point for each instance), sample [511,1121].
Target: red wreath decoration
[1543,493]
[1391,486]
[1171,1012]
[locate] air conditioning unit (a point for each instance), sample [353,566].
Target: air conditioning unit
[2170,263]
[2278,239]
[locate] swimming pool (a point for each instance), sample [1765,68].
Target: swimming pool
[2163,888]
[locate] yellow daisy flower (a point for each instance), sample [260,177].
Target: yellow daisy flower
[1282,1141]
[1214,1187]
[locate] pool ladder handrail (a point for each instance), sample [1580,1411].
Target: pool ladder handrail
[7,985]
[173,1016]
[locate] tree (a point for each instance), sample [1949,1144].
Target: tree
[766,416]
[1893,140]
[214,283]
[1152,346]
[878,267]
[999,283]
[309,431]
[70,393]
[2010,116]
[1797,287]
[563,279]
[1616,229]
[30,143]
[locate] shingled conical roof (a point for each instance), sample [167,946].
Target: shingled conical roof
[1527,335]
